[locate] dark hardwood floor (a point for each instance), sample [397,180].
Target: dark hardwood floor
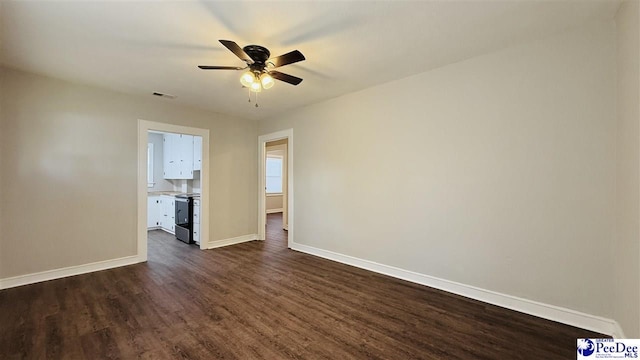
[260,300]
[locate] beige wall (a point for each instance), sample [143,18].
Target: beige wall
[497,172]
[69,168]
[627,248]
[274,202]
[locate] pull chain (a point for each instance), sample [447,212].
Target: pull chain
[256,95]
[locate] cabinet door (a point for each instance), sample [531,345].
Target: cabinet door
[157,211]
[172,214]
[185,154]
[165,215]
[197,153]
[153,211]
[196,221]
[196,233]
[196,214]
[170,156]
[168,213]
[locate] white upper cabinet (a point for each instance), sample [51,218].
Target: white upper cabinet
[186,156]
[197,153]
[178,156]
[170,156]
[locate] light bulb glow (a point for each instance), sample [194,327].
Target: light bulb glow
[267,81]
[256,87]
[247,79]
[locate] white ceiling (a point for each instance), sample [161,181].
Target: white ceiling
[146,46]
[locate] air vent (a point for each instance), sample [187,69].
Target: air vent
[164,95]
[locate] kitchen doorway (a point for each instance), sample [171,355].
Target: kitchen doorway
[174,164]
[176,179]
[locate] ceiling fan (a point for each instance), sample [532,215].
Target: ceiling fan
[260,74]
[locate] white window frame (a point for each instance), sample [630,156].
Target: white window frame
[281,175]
[150,160]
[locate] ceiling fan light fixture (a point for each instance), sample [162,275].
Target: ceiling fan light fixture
[267,81]
[248,79]
[255,86]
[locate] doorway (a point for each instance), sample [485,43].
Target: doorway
[174,167]
[149,175]
[276,179]
[275,191]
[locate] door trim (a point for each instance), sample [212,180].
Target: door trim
[143,129]
[262,210]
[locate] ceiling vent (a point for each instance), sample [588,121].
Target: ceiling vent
[164,95]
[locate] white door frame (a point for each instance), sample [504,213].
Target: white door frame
[262,207]
[143,129]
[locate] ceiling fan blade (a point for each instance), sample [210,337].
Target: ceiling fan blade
[286,59]
[236,50]
[207,67]
[285,77]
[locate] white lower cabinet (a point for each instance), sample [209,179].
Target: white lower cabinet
[161,214]
[196,221]
[168,222]
[154,212]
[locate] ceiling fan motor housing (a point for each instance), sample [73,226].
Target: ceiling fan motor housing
[259,55]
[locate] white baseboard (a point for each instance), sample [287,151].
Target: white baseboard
[546,311]
[231,241]
[273,211]
[617,331]
[65,272]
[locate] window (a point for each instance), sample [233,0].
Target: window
[150,182]
[274,174]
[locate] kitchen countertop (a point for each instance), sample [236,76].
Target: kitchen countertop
[157,193]
[170,193]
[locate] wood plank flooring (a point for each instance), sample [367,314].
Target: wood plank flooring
[260,300]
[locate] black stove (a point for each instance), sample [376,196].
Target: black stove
[184,218]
